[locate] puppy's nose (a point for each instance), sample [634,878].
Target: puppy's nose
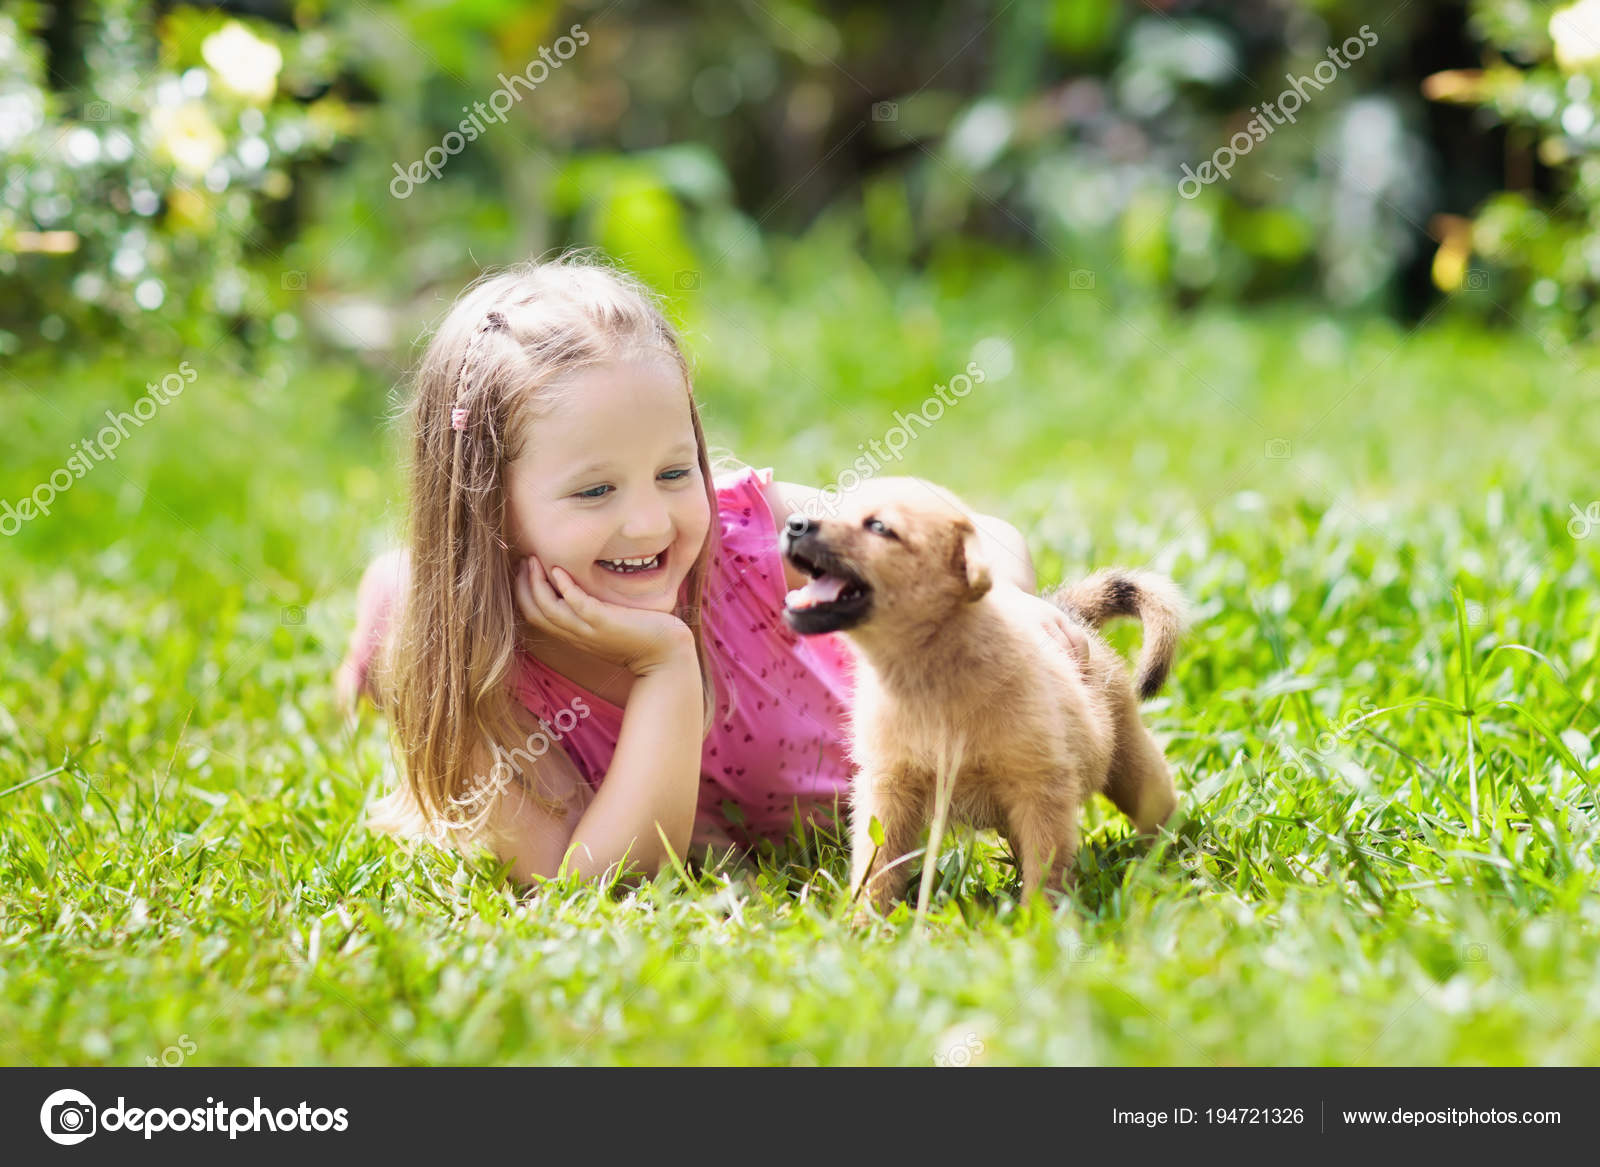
[798,525]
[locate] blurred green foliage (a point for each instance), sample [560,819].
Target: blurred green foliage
[1537,241]
[251,169]
[679,142]
[147,188]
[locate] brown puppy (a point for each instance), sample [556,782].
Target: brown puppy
[956,678]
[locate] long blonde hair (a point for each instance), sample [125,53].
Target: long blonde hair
[448,679]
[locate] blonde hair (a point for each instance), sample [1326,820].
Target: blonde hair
[509,337]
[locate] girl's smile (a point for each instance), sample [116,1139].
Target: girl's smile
[642,566]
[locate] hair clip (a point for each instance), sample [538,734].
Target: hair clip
[492,322]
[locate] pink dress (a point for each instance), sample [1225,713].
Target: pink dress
[783,746]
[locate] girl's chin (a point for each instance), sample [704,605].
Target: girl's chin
[662,603]
[659,599]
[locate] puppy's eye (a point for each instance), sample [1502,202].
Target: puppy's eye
[877,527]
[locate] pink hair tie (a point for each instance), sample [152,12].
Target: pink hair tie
[458,419]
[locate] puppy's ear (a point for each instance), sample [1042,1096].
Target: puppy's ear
[970,561]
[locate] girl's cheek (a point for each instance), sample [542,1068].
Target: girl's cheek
[695,523]
[521,526]
[569,541]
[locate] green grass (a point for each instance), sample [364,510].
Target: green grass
[1382,721]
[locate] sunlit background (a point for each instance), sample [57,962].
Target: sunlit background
[1289,299]
[234,169]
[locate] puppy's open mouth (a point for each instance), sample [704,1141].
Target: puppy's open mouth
[833,599]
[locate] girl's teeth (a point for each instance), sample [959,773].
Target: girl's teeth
[631,565]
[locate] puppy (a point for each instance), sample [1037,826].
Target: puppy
[954,676]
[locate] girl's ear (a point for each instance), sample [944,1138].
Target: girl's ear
[970,560]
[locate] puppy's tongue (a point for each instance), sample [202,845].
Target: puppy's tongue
[822,590]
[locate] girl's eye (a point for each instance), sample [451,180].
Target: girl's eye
[876,526]
[601,491]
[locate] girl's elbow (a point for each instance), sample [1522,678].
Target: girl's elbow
[595,861]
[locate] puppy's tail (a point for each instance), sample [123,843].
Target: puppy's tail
[1154,599]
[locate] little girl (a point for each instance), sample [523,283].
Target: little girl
[584,639]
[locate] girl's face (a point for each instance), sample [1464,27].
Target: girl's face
[610,473]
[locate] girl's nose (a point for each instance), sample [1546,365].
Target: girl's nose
[648,519]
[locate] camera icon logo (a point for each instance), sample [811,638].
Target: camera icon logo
[686,281]
[1475,280]
[68,1117]
[294,281]
[960,1053]
[886,111]
[96,111]
[1081,280]
[1278,449]
[1583,522]
[292,616]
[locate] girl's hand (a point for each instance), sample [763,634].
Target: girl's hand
[637,639]
[1063,630]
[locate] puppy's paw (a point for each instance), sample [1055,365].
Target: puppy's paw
[861,918]
[869,911]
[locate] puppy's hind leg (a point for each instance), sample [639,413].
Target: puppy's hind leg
[1140,783]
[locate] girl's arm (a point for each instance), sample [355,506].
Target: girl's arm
[520,831]
[654,777]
